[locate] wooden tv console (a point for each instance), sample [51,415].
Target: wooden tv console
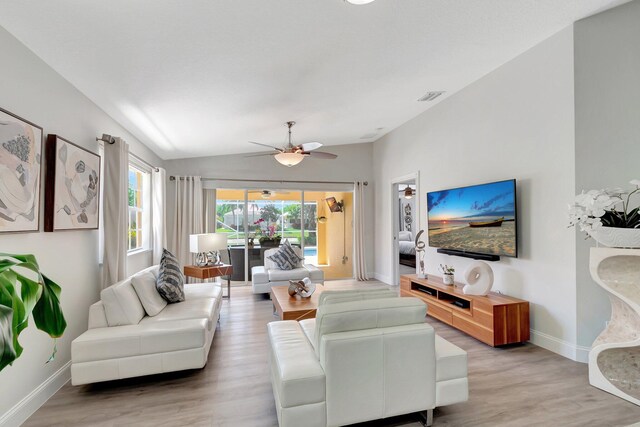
[494,319]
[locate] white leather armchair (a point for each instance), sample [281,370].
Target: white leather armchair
[362,360]
[268,275]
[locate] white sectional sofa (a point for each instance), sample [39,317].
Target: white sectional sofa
[268,275]
[123,341]
[362,359]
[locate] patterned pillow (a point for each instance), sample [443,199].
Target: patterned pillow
[170,282]
[286,258]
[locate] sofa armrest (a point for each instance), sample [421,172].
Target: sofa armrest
[296,374]
[315,274]
[97,316]
[259,274]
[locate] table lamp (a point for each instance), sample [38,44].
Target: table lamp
[202,244]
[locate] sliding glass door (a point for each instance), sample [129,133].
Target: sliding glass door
[254,220]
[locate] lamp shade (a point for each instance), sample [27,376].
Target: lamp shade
[207,242]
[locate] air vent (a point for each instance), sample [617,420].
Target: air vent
[430,96]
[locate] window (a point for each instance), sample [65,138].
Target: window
[139,225]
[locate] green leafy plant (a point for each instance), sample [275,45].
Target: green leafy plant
[21,297]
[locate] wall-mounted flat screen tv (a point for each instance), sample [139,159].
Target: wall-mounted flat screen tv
[478,219]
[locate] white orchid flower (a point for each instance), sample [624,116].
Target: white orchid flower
[635,182]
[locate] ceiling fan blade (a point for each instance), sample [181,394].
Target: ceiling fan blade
[321,155]
[261,154]
[266,145]
[310,146]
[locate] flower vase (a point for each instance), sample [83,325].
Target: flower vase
[447,279]
[614,237]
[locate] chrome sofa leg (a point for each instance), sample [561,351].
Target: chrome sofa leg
[426,418]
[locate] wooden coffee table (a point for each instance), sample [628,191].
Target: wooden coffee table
[294,308]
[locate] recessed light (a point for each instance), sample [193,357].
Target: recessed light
[359,2]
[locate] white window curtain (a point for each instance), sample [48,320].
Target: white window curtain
[188,215]
[360,254]
[116,169]
[158,212]
[210,218]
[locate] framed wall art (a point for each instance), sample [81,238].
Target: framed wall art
[20,168]
[72,186]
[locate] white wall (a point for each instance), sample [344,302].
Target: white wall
[607,84]
[353,164]
[31,89]
[516,122]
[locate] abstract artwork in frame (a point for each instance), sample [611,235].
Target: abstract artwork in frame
[72,186]
[20,166]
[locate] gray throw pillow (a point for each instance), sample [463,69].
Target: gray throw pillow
[170,283]
[286,258]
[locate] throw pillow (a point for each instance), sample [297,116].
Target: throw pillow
[145,286]
[286,258]
[170,283]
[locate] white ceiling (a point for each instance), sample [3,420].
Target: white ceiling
[201,77]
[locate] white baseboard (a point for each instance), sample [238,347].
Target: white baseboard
[38,397]
[383,278]
[570,351]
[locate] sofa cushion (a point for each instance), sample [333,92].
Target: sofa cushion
[198,308]
[135,340]
[281,275]
[170,282]
[337,296]
[121,304]
[296,374]
[202,290]
[368,314]
[309,328]
[144,284]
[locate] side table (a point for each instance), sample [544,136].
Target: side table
[210,272]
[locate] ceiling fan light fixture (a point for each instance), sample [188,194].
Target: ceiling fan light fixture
[408,192]
[289,159]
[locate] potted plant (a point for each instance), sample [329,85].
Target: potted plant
[447,271]
[271,240]
[609,216]
[24,291]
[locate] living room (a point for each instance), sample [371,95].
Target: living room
[542,93]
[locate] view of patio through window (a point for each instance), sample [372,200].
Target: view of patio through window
[275,215]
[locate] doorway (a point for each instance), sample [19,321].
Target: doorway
[405,225]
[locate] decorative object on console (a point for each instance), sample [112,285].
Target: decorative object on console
[72,186]
[447,271]
[420,245]
[595,213]
[291,154]
[37,295]
[305,287]
[479,277]
[170,283]
[613,359]
[20,160]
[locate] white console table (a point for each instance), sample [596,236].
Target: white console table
[617,349]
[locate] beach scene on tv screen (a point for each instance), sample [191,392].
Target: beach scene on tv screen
[479,219]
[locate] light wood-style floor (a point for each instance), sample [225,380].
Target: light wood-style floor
[518,386]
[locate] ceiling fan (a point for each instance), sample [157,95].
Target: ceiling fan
[265,194]
[291,154]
